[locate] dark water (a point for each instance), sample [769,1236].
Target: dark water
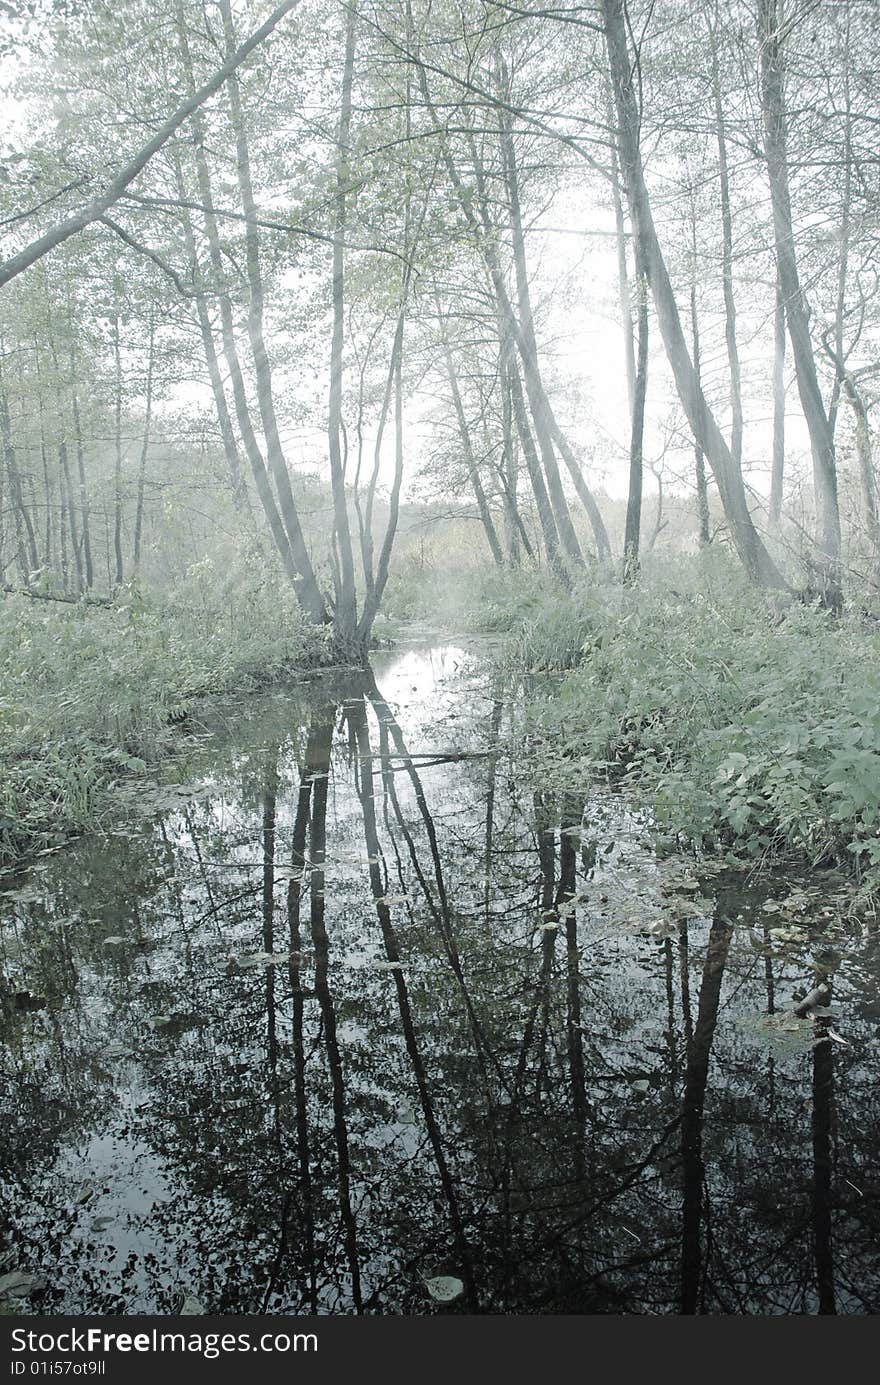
[356,1003]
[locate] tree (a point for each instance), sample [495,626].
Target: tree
[95,209]
[827,557]
[728,476]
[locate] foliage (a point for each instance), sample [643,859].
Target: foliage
[748,725]
[89,692]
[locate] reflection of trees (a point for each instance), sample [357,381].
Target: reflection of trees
[467,1064]
[696,1078]
[823,1164]
[357,720]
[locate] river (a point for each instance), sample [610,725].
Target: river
[350,1014]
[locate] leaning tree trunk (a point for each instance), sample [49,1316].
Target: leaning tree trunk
[467,447]
[307,588]
[288,540]
[528,348]
[827,540]
[753,554]
[215,376]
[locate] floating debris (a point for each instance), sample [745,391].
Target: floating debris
[19,1283]
[444,1288]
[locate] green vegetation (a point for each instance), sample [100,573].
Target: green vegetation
[90,692]
[747,725]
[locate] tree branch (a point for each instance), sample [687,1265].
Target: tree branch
[94,210]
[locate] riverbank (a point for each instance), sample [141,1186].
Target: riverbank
[92,694]
[749,726]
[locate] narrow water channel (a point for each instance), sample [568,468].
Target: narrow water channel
[356,1003]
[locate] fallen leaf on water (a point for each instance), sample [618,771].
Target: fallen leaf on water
[444,1288]
[191,1307]
[262,959]
[19,1282]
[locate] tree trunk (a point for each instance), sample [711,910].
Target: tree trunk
[28,559]
[528,348]
[623,285]
[585,495]
[294,556]
[777,470]
[699,459]
[736,407]
[84,508]
[865,460]
[827,556]
[632,532]
[345,614]
[71,513]
[145,447]
[308,586]
[753,554]
[129,172]
[117,451]
[539,490]
[69,518]
[224,420]
[470,459]
[509,332]
[44,459]
[513,527]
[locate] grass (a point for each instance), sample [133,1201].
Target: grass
[89,693]
[748,726]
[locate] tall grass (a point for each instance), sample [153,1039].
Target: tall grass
[90,692]
[747,722]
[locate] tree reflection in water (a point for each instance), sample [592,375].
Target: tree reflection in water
[356,1015]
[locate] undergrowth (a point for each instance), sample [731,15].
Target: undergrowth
[749,724]
[89,693]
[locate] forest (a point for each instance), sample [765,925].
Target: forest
[439,656]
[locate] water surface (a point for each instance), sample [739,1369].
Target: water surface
[356,1002]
